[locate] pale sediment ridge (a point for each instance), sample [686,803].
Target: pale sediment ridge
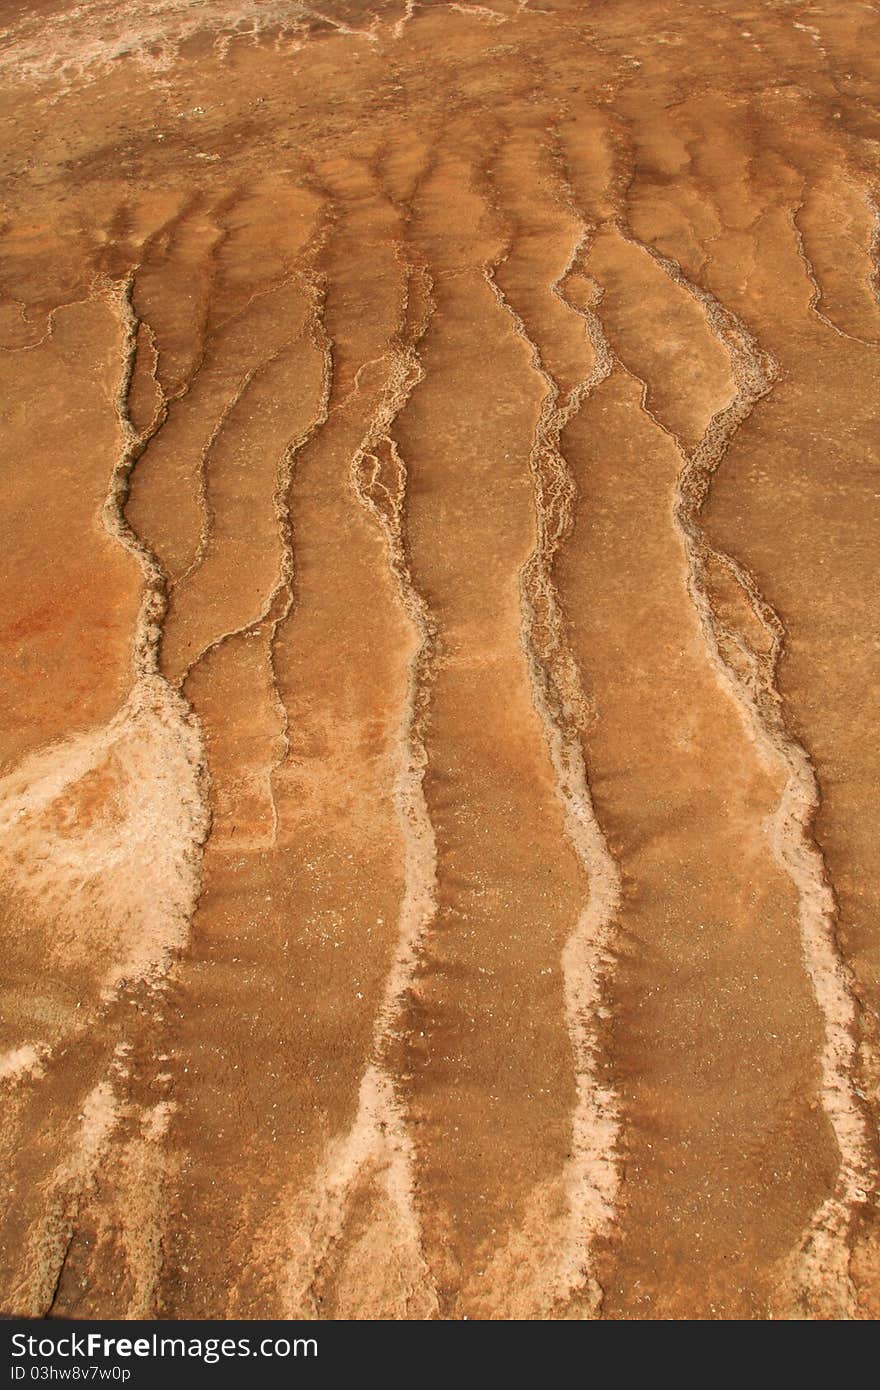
[820,1276]
[377,1149]
[590,1178]
[71,870]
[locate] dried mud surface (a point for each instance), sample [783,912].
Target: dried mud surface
[438,764]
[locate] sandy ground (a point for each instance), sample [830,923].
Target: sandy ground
[438,811]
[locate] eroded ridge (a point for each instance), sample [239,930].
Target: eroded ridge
[817,1282]
[816,288]
[102,837]
[151,757]
[590,1178]
[873,201]
[383,1263]
[279,600]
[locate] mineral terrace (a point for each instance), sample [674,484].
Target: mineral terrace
[440,528]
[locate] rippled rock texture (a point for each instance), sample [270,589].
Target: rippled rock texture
[438,817]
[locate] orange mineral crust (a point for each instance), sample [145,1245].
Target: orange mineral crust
[438,775]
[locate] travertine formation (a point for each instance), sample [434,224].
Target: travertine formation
[438,792]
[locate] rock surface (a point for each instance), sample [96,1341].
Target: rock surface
[438,816]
